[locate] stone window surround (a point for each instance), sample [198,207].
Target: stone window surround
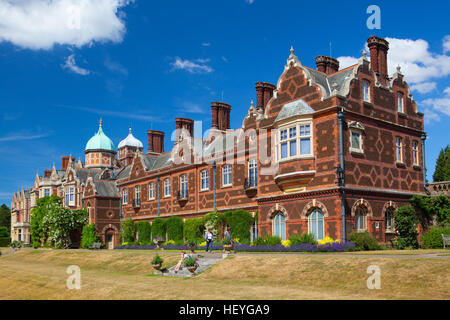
[296,123]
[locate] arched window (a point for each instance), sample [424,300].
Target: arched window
[279,226]
[315,224]
[360,218]
[389,219]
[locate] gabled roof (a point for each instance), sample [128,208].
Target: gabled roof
[106,188]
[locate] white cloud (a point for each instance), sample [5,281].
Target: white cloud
[17,137]
[417,62]
[115,67]
[72,65]
[190,107]
[446,43]
[195,66]
[41,24]
[424,87]
[345,62]
[206,44]
[249,1]
[440,104]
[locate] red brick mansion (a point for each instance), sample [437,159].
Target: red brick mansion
[324,151]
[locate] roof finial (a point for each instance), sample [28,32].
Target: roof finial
[364,54]
[101,122]
[398,68]
[292,51]
[130,128]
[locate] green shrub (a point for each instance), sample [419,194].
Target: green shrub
[159,228]
[4,232]
[190,262]
[363,241]
[296,239]
[5,241]
[144,231]
[239,221]
[157,259]
[89,236]
[268,240]
[128,231]
[174,227]
[194,229]
[432,239]
[405,223]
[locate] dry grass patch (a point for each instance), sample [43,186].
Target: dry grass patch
[39,274]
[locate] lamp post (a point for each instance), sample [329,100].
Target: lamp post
[157,190]
[214,182]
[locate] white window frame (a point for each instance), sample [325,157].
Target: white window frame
[415,153]
[45,192]
[167,187]
[227,175]
[275,225]
[398,150]
[204,180]
[311,224]
[137,194]
[361,212]
[298,138]
[183,181]
[365,90]
[71,196]
[400,102]
[391,214]
[151,191]
[125,196]
[253,166]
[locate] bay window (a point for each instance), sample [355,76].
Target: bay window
[295,141]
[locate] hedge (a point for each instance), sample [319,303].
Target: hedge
[128,231]
[159,228]
[5,241]
[194,229]
[144,231]
[363,241]
[174,227]
[239,221]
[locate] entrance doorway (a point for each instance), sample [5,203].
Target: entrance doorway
[110,240]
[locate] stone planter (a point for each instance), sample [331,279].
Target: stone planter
[228,247]
[157,266]
[192,269]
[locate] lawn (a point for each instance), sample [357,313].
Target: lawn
[123,274]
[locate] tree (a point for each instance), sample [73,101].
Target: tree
[432,209]
[442,172]
[59,221]
[405,223]
[5,216]
[89,236]
[43,206]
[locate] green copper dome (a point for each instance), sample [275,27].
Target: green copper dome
[100,141]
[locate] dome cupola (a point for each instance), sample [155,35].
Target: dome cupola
[100,150]
[100,141]
[128,148]
[130,141]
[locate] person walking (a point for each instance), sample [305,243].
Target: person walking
[209,237]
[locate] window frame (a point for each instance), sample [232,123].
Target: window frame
[204,180]
[253,166]
[151,191]
[389,216]
[137,194]
[401,105]
[361,217]
[415,153]
[298,124]
[125,196]
[167,185]
[365,98]
[282,221]
[398,150]
[229,174]
[182,183]
[315,223]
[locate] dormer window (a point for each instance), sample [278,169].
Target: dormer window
[365,91]
[400,102]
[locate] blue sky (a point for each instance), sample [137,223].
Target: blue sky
[145,62]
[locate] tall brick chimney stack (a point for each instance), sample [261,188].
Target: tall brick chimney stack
[186,124]
[47,173]
[220,113]
[65,162]
[379,48]
[155,142]
[264,92]
[327,65]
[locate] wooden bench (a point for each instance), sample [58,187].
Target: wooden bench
[96,246]
[446,240]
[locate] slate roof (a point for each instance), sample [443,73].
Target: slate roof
[294,108]
[340,78]
[106,188]
[83,174]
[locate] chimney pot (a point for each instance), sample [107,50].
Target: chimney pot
[379,48]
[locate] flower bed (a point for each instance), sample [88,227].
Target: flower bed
[306,247]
